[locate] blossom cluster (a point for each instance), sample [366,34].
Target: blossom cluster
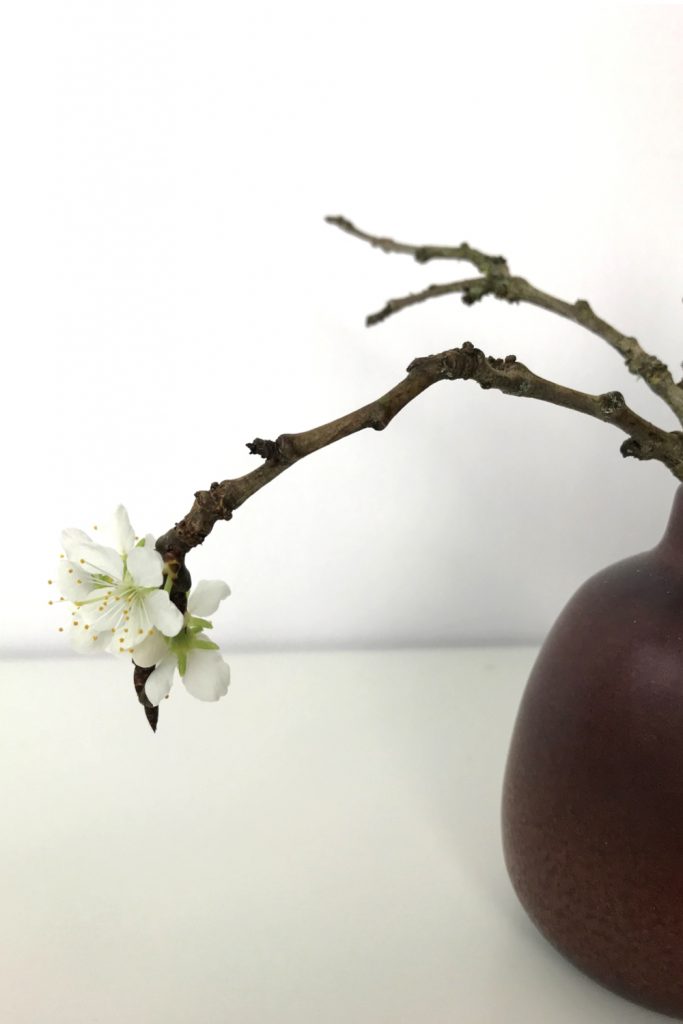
[118,598]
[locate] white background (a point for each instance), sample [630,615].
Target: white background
[170,291]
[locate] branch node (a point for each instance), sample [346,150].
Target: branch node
[504,288]
[583,310]
[642,364]
[286,450]
[632,449]
[476,291]
[379,419]
[424,253]
[419,363]
[612,402]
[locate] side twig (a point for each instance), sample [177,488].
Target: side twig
[496,280]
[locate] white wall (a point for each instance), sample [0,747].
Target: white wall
[169,291]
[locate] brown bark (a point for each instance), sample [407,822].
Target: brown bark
[644,439]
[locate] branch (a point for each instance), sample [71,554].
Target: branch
[140,677]
[424,253]
[645,440]
[496,280]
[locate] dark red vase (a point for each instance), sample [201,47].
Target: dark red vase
[593,795]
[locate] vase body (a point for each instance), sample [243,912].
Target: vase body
[593,793]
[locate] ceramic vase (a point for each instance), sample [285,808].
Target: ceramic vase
[593,793]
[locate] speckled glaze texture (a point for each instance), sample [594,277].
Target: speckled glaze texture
[593,795]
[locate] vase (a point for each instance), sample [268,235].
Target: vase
[593,792]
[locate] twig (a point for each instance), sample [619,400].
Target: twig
[497,281]
[424,253]
[645,440]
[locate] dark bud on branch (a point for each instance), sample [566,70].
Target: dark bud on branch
[612,402]
[140,677]
[266,449]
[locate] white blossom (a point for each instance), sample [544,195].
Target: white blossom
[191,653]
[115,590]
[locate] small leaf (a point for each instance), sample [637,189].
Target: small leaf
[195,624]
[205,645]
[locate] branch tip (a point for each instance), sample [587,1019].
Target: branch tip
[267,450]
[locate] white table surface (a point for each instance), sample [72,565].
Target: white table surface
[322,847]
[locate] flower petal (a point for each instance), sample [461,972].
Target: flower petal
[145,566]
[73,537]
[161,680]
[99,559]
[84,639]
[101,612]
[72,581]
[133,626]
[162,613]
[206,597]
[207,676]
[151,651]
[122,532]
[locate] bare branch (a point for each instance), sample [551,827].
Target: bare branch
[434,291]
[497,281]
[645,440]
[424,253]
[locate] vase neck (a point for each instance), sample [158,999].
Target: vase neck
[671,543]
